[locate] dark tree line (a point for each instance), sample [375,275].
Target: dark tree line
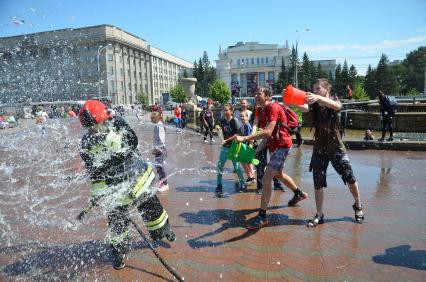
[405,78]
[205,75]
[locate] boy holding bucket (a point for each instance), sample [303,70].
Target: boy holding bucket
[229,128]
[328,147]
[279,144]
[246,130]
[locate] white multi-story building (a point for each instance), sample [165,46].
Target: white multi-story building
[251,64]
[166,70]
[77,64]
[248,65]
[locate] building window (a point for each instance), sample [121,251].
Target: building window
[261,60]
[122,86]
[136,88]
[261,78]
[109,56]
[111,70]
[112,86]
[257,60]
[252,61]
[266,59]
[238,62]
[121,71]
[130,86]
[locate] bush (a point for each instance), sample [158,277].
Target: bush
[413,92]
[219,91]
[359,92]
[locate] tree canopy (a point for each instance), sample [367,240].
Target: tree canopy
[219,91]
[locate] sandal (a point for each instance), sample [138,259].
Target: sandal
[315,221]
[359,215]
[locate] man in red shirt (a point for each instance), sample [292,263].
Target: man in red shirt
[349,91]
[178,116]
[279,143]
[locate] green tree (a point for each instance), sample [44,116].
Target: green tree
[352,76]
[370,84]
[413,92]
[292,66]
[359,93]
[415,64]
[337,86]
[219,91]
[344,78]
[185,73]
[320,73]
[400,72]
[386,80]
[282,78]
[178,94]
[306,73]
[142,98]
[199,90]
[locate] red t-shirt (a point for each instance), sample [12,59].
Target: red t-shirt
[280,137]
[178,113]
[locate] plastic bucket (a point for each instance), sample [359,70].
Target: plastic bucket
[242,153]
[294,96]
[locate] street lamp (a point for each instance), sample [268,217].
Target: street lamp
[296,81]
[109,45]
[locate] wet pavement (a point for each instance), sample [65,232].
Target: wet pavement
[43,188]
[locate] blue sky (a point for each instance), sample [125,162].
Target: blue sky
[359,31]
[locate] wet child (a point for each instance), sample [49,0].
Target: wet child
[159,149]
[229,127]
[246,130]
[328,147]
[368,135]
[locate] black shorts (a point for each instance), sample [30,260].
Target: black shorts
[340,162]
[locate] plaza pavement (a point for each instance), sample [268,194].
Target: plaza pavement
[212,243]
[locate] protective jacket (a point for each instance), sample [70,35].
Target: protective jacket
[118,172]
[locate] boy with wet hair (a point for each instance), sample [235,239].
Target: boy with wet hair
[328,147]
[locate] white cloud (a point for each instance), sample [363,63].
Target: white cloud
[322,48]
[389,44]
[385,44]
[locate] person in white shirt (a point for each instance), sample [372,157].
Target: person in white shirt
[159,149]
[41,115]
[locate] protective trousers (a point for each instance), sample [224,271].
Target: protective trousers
[155,218]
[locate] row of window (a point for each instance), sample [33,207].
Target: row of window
[252,61]
[129,86]
[260,76]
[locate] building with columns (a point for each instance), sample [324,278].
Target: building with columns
[246,66]
[82,63]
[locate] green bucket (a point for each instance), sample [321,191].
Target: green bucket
[242,153]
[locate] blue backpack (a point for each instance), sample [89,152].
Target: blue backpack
[392,103]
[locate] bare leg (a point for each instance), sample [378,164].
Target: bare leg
[355,193]
[319,200]
[267,185]
[287,180]
[357,197]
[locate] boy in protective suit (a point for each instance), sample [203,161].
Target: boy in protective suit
[120,177]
